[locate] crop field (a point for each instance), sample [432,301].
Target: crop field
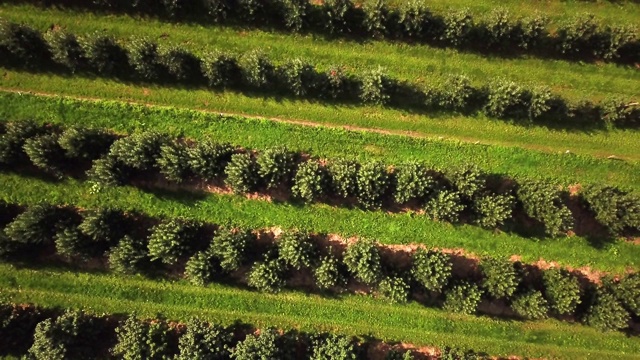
[338,179]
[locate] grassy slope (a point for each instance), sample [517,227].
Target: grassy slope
[353,315]
[322,142]
[415,63]
[386,228]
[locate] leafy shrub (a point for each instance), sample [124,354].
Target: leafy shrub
[432,269]
[45,153]
[614,38]
[395,289]
[296,249]
[140,150]
[174,162]
[468,180]
[103,225]
[445,205]
[242,173]
[70,336]
[337,12]
[267,276]
[170,240]
[507,99]
[327,274]
[293,12]
[373,88]
[72,243]
[460,354]
[181,65]
[24,45]
[334,347]
[142,340]
[104,55]
[542,202]
[394,354]
[204,341]
[256,69]
[580,36]
[493,210]
[35,226]
[454,94]
[13,140]
[275,166]
[500,277]
[613,208]
[248,9]
[336,83]
[200,270]
[344,176]
[463,298]
[499,31]
[531,305]
[230,246]
[606,313]
[412,17]
[534,30]
[65,49]
[375,13]
[208,159]
[128,257]
[256,347]
[216,9]
[413,182]
[628,292]
[457,27]
[294,77]
[540,102]
[221,69]
[562,290]
[108,171]
[144,59]
[85,143]
[373,183]
[363,260]
[310,181]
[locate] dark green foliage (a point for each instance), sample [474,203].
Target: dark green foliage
[242,173]
[337,11]
[72,243]
[294,77]
[468,180]
[327,274]
[267,275]
[170,240]
[128,257]
[507,99]
[105,55]
[561,290]
[413,182]
[24,46]
[606,313]
[297,249]
[373,183]
[395,289]
[293,12]
[256,69]
[45,153]
[204,341]
[493,210]
[454,94]
[334,347]
[35,226]
[463,298]
[108,171]
[373,89]
[500,32]
[541,201]
[207,159]
[445,205]
[457,27]
[399,355]
[531,305]
[13,140]
[613,208]
[200,269]
[344,176]
[500,277]
[628,292]
[336,81]
[221,69]
[258,347]
[144,58]
[585,37]
[276,166]
[432,269]
[229,246]
[174,162]
[181,65]
[139,151]
[412,17]
[142,340]
[375,13]
[17,324]
[65,49]
[540,102]
[70,336]
[310,181]
[363,261]
[459,354]
[103,225]
[85,143]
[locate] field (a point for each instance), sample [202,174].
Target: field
[462,198]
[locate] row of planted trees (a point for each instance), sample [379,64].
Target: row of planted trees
[204,253]
[144,60]
[582,37]
[45,334]
[458,194]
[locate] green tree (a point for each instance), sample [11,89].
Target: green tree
[500,277]
[373,183]
[297,249]
[334,347]
[204,341]
[258,347]
[242,173]
[363,260]
[444,205]
[207,159]
[128,257]
[541,201]
[200,269]
[69,336]
[103,225]
[45,153]
[174,162]
[562,290]
[276,166]
[267,275]
[327,274]
[492,210]
[310,181]
[344,176]
[229,247]
[531,305]
[606,313]
[170,240]
[85,143]
[395,289]
[138,339]
[432,269]
[463,298]
[628,292]
[413,182]
[35,226]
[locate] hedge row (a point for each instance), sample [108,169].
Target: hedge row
[581,38]
[133,243]
[144,60]
[45,334]
[454,195]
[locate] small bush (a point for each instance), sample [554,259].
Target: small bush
[174,162]
[204,342]
[541,201]
[242,173]
[373,89]
[534,30]
[85,143]
[310,181]
[104,55]
[413,182]
[170,240]
[454,94]
[103,225]
[606,313]
[432,269]
[108,171]
[128,257]
[499,31]
[72,243]
[230,246]
[540,102]
[208,160]
[445,205]
[256,70]
[334,347]
[256,347]
[267,276]
[395,289]
[628,292]
[181,65]
[139,151]
[276,166]
[293,13]
[457,27]
[294,77]
[65,49]
[463,298]
[373,183]
[337,12]
[45,153]
[327,274]
[493,210]
[562,290]
[613,208]
[375,14]
[200,270]
[13,140]
[507,99]
[35,226]
[344,176]
[221,70]
[579,36]
[500,277]
[144,59]
[70,336]
[363,261]
[468,180]
[296,249]
[531,305]
[142,340]
[24,45]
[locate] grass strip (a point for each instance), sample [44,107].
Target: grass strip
[321,141]
[574,81]
[350,314]
[387,228]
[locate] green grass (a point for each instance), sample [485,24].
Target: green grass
[323,142]
[351,315]
[387,228]
[414,63]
